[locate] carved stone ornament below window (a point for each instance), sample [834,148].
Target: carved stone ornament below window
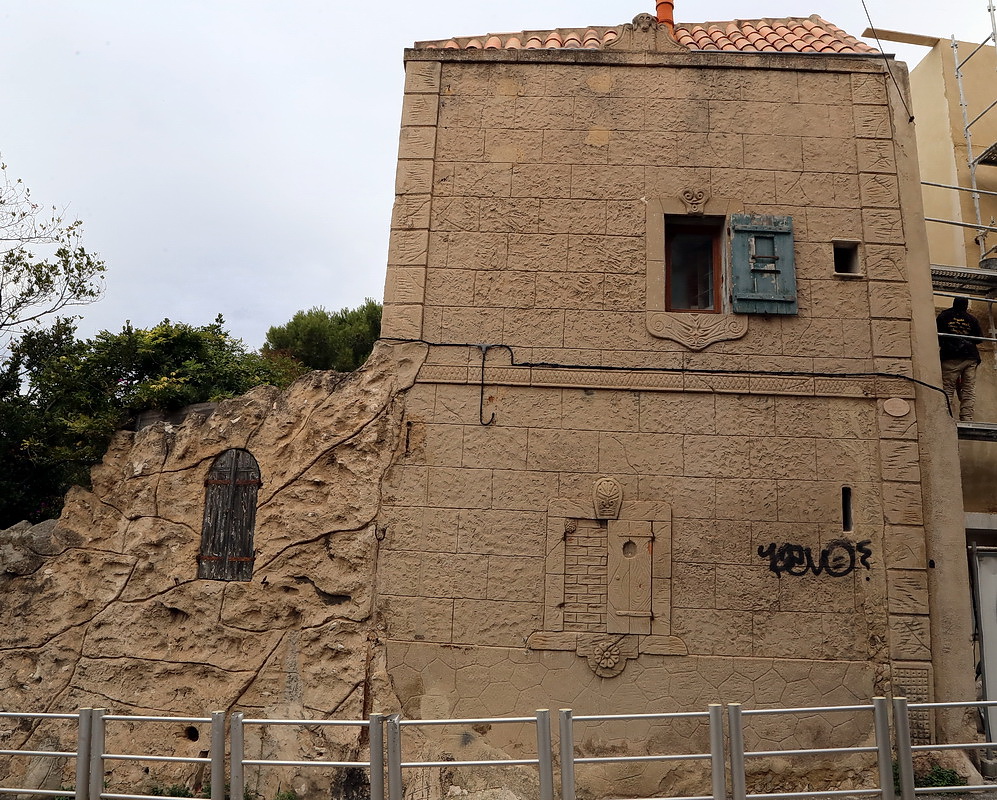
[607,656]
[697,331]
[607,495]
[695,200]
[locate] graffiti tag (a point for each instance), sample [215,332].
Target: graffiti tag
[838,559]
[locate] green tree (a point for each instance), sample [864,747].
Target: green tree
[61,399]
[44,267]
[321,339]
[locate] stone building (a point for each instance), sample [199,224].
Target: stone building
[683,268]
[654,423]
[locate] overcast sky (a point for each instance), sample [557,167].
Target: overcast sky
[238,157]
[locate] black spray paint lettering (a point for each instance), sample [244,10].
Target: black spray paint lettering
[838,559]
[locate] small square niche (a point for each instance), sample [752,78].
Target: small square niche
[847,261]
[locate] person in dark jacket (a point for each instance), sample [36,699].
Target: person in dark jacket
[959,356]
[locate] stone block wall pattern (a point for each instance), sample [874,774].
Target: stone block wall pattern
[545,489]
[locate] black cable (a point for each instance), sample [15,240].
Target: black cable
[910,114]
[484,348]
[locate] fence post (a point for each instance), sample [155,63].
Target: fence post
[884,753]
[545,754]
[567,740]
[905,755]
[237,746]
[738,783]
[376,757]
[217,753]
[83,725]
[718,764]
[394,757]
[96,782]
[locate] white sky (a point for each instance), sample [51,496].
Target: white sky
[238,157]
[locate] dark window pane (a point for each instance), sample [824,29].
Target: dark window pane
[691,259]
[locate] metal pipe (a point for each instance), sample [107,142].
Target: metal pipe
[358,723]
[977,119]
[973,297]
[83,753]
[97,753]
[977,227]
[958,188]
[760,712]
[217,751]
[394,758]
[567,745]
[668,715]
[478,721]
[237,752]
[167,759]
[718,775]
[884,759]
[976,50]
[735,734]
[376,757]
[545,754]
[973,338]
[267,762]
[130,718]
[905,756]
[622,759]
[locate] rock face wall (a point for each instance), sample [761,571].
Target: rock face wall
[104,609]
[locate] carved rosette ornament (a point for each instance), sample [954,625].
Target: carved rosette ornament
[606,659]
[607,495]
[697,331]
[695,200]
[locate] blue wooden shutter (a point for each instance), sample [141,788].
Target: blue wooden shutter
[763,272]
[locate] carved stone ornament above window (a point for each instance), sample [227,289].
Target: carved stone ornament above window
[691,329]
[695,200]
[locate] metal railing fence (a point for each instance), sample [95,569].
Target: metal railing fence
[81,754]
[375,727]
[385,766]
[906,749]
[98,754]
[882,749]
[543,761]
[714,718]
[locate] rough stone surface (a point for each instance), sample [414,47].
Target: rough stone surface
[103,608]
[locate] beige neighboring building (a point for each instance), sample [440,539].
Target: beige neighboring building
[943,153]
[677,438]
[954,92]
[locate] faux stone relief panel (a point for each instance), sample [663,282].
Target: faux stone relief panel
[609,576]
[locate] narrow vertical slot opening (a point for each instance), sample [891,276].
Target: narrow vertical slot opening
[846,508]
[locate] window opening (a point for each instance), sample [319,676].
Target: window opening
[692,264]
[229,518]
[846,508]
[846,258]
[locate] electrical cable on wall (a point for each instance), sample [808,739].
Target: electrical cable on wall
[484,348]
[910,114]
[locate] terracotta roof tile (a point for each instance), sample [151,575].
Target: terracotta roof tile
[789,34]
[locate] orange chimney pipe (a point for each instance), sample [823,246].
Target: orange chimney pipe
[666,13]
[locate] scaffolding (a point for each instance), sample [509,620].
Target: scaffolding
[988,156]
